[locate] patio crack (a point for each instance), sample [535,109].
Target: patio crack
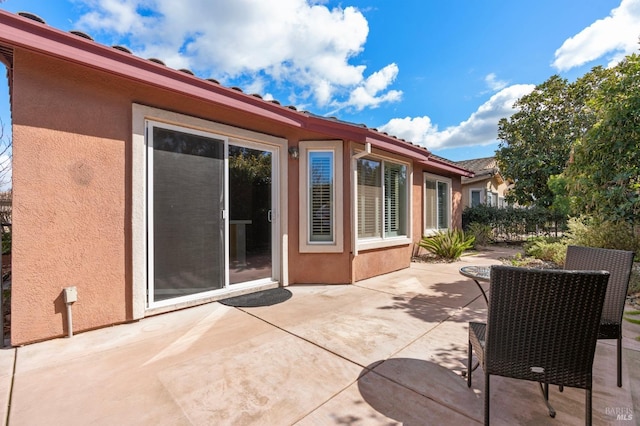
[13,378]
[302,338]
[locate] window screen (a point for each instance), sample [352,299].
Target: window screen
[437,201]
[369,198]
[395,198]
[188,239]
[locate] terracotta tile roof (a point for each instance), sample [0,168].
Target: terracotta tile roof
[483,168]
[480,165]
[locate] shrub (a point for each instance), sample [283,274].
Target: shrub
[590,232]
[482,233]
[448,244]
[6,242]
[513,223]
[634,280]
[547,248]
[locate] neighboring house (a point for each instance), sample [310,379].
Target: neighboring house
[150,189]
[487,186]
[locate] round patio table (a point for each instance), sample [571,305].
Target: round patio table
[478,274]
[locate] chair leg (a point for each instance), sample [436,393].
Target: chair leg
[470,354]
[545,394]
[619,360]
[587,403]
[486,399]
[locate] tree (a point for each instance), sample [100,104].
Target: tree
[604,175]
[536,141]
[5,158]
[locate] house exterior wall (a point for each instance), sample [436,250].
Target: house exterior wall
[371,263]
[70,202]
[490,184]
[73,196]
[456,203]
[315,268]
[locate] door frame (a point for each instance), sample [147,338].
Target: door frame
[138,302]
[275,224]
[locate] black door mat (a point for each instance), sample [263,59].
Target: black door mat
[260,298]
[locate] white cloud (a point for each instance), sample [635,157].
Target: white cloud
[615,36]
[481,128]
[412,129]
[293,44]
[117,16]
[493,82]
[367,93]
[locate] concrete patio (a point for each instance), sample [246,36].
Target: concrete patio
[389,350]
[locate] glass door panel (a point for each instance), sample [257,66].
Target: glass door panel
[250,214]
[187,203]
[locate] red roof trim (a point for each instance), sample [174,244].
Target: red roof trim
[448,167]
[31,35]
[364,134]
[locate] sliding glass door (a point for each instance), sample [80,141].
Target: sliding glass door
[186,194]
[250,214]
[210,214]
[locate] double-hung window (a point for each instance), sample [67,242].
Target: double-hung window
[382,200]
[321,181]
[437,203]
[320,190]
[491,199]
[475,197]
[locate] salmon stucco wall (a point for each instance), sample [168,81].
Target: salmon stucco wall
[372,263]
[70,136]
[315,268]
[418,200]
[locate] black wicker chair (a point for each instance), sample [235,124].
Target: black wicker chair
[542,326]
[619,264]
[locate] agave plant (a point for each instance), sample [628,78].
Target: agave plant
[449,244]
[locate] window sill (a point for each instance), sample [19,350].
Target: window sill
[321,248]
[377,244]
[432,232]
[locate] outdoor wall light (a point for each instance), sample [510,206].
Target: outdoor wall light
[294,153]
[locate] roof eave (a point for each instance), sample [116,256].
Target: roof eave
[445,166]
[34,36]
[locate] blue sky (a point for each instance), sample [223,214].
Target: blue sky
[437,73]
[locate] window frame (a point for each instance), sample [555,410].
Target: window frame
[336,244]
[382,241]
[141,114]
[492,198]
[437,179]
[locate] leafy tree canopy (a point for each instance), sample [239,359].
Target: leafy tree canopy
[576,147]
[604,175]
[536,141]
